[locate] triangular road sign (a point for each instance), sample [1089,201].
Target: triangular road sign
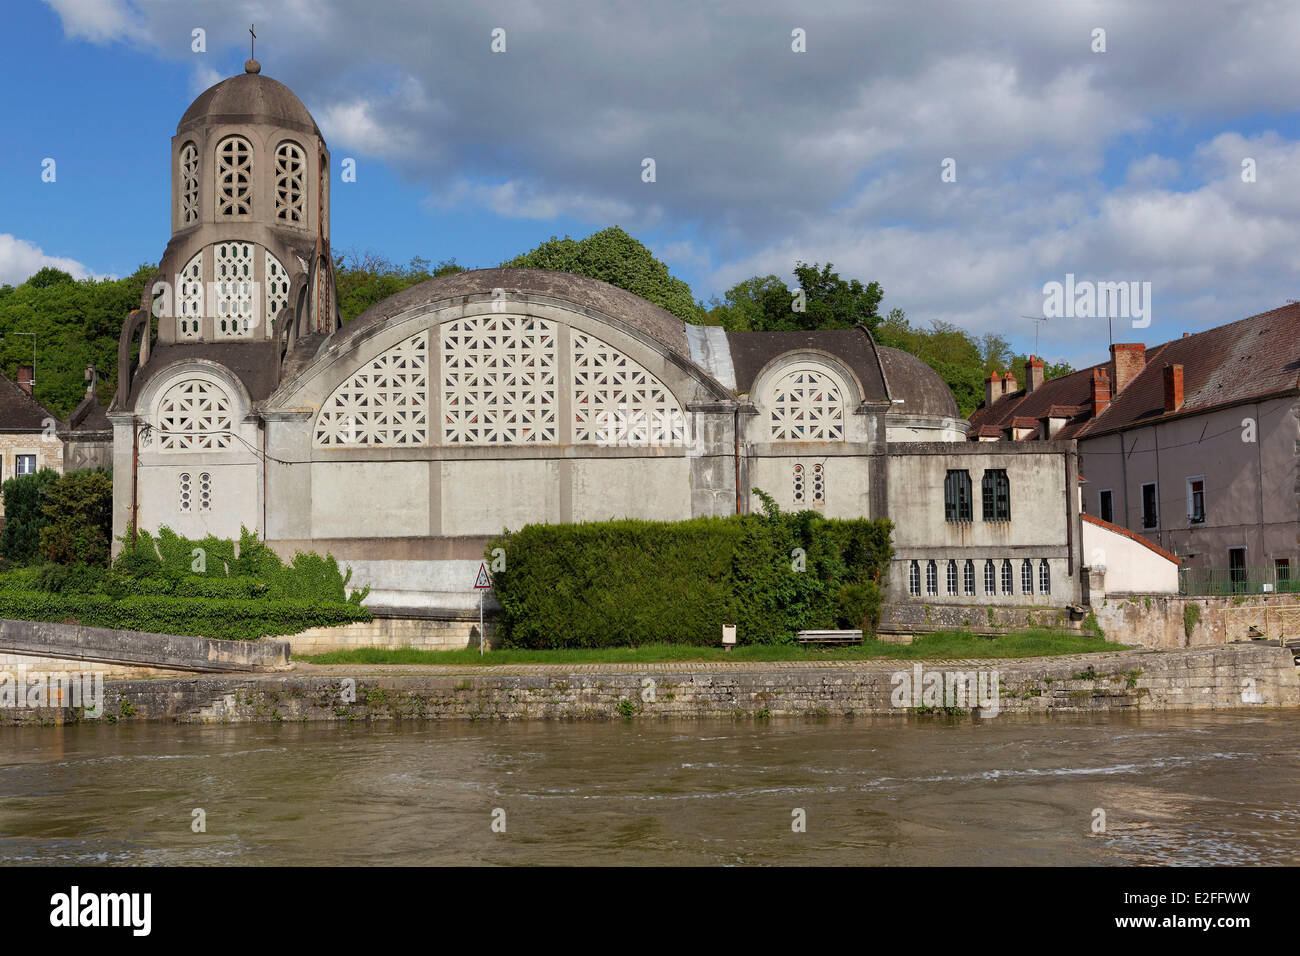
[482,580]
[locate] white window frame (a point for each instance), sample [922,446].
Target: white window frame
[1191,514]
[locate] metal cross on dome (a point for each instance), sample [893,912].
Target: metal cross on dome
[252,38]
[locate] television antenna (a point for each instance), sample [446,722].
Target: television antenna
[1037,320]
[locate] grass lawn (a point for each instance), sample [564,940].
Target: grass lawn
[1037,643]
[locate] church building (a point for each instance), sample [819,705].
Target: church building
[404,440]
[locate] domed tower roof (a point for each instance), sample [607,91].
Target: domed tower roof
[249,97]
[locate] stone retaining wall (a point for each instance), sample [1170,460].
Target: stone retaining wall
[1232,676]
[1158,620]
[390,633]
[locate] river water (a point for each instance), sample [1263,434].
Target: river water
[1215,788]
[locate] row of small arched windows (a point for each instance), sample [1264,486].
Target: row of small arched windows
[992,578]
[234,180]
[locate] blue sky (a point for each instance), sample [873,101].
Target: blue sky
[1115,165]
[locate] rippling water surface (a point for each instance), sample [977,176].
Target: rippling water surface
[1176,789]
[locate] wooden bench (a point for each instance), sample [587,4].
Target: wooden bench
[829,637]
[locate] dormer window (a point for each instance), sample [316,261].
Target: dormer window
[234,177]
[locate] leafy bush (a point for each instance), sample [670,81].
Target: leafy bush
[78,511]
[25,515]
[222,618]
[621,583]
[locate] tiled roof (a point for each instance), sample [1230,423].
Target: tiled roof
[1239,362]
[19,412]
[1133,535]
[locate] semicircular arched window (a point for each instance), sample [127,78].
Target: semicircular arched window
[188,170]
[234,177]
[290,182]
[386,402]
[616,401]
[195,414]
[806,404]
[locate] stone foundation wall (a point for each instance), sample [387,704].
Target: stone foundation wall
[390,633]
[1160,620]
[1232,676]
[908,617]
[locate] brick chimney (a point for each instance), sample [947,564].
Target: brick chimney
[992,389]
[1126,362]
[1009,383]
[1033,374]
[25,378]
[1173,387]
[1100,391]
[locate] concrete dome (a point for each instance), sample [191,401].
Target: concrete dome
[922,390]
[249,98]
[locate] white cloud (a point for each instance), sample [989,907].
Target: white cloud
[20,259]
[99,21]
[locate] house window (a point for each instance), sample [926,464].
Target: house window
[997,495]
[234,177]
[1106,505]
[931,578]
[1196,499]
[952,578]
[990,578]
[1026,577]
[914,579]
[1008,577]
[968,578]
[1150,514]
[26,464]
[1044,577]
[957,496]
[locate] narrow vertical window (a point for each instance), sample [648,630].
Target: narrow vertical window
[957,496]
[931,578]
[205,492]
[1044,577]
[234,177]
[290,173]
[990,578]
[996,492]
[1106,505]
[819,484]
[968,578]
[191,299]
[952,578]
[1026,577]
[1150,511]
[914,579]
[185,494]
[188,180]
[799,477]
[1196,500]
[1008,577]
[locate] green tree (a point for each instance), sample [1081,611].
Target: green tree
[364,279]
[822,300]
[613,256]
[78,510]
[25,515]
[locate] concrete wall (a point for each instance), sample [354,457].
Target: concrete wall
[392,634]
[1129,565]
[1251,488]
[1044,521]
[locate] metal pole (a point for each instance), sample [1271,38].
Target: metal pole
[481,635]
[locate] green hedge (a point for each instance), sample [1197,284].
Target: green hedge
[206,617]
[625,583]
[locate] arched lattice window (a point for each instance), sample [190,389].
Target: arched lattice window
[616,401]
[190,297]
[1044,577]
[914,578]
[386,403]
[931,578]
[952,577]
[234,177]
[236,295]
[990,577]
[1008,577]
[188,169]
[498,381]
[290,179]
[806,405]
[1026,577]
[968,578]
[195,414]
[277,291]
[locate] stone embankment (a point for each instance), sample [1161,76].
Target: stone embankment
[1236,676]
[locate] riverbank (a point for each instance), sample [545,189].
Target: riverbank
[1246,676]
